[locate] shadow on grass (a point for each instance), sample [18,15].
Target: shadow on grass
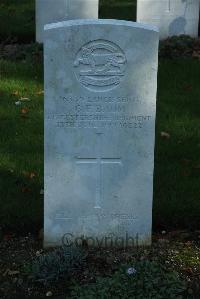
[21,202]
[21,70]
[21,147]
[177,160]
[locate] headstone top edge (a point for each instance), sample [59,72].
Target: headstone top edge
[82,22]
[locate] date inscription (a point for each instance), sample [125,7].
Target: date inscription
[100,112]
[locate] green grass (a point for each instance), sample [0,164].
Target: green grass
[21,150]
[177,159]
[17,17]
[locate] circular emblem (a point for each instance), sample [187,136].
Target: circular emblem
[100,65]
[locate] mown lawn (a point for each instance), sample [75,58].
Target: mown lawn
[21,149]
[177,159]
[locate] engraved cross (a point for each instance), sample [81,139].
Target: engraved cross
[99,161]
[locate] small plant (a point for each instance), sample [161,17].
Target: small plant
[57,264]
[146,280]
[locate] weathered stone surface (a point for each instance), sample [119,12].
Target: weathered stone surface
[52,11]
[172,17]
[100,106]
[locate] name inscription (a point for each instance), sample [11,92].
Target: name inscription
[99,112]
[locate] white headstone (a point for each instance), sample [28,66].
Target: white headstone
[172,17]
[100,106]
[52,11]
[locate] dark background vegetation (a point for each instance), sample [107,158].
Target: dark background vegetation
[17,17]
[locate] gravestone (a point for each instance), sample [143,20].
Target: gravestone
[100,106]
[172,17]
[52,11]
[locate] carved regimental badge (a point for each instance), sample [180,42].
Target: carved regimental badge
[100,65]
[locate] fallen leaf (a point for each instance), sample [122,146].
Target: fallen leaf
[24,111]
[165,135]
[32,175]
[49,294]
[188,270]
[26,190]
[40,92]
[29,175]
[15,93]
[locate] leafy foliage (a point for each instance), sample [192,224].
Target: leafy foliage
[17,19]
[21,52]
[57,264]
[150,280]
[182,46]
